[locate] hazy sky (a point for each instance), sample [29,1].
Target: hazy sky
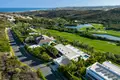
[56,3]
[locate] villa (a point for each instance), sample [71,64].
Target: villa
[82,54]
[43,39]
[105,71]
[71,52]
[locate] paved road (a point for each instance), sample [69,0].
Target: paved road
[31,61]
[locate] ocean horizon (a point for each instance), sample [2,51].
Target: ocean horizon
[21,9]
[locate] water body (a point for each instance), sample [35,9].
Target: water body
[80,26]
[108,37]
[22,9]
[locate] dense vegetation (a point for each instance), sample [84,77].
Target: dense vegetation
[4,45]
[44,52]
[39,52]
[109,18]
[12,69]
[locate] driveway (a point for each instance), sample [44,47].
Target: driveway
[31,61]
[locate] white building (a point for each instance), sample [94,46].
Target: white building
[70,52]
[82,54]
[105,71]
[34,46]
[61,61]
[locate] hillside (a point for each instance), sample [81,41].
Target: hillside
[89,8]
[110,17]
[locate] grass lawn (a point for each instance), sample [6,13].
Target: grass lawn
[98,45]
[114,33]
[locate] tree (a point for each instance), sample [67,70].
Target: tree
[75,43]
[87,29]
[45,56]
[36,51]
[40,74]
[53,50]
[118,44]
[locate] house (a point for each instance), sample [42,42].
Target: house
[104,71]
[71,55]
[43,39]
[71,52]
[82,54]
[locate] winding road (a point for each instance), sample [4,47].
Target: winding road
[31,61]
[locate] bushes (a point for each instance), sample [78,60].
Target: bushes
[73,71]
[113,57]
[40,75]
[45,56]
[39,52]
[83,45]
[4,46]
[52,50]
[118,44]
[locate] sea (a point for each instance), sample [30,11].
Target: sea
[22,9]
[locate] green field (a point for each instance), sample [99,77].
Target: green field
[98,45]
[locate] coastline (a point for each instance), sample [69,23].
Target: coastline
[18,10]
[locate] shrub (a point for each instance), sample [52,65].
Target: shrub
[40,75]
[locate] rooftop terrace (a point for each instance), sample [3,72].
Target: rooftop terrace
[106,70]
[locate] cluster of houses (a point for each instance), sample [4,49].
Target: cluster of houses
[66,52]
[23,17]
[8,17]
[11,17]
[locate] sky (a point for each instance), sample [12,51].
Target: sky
[55,3]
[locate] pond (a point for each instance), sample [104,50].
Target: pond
[80,26]
[108,37]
